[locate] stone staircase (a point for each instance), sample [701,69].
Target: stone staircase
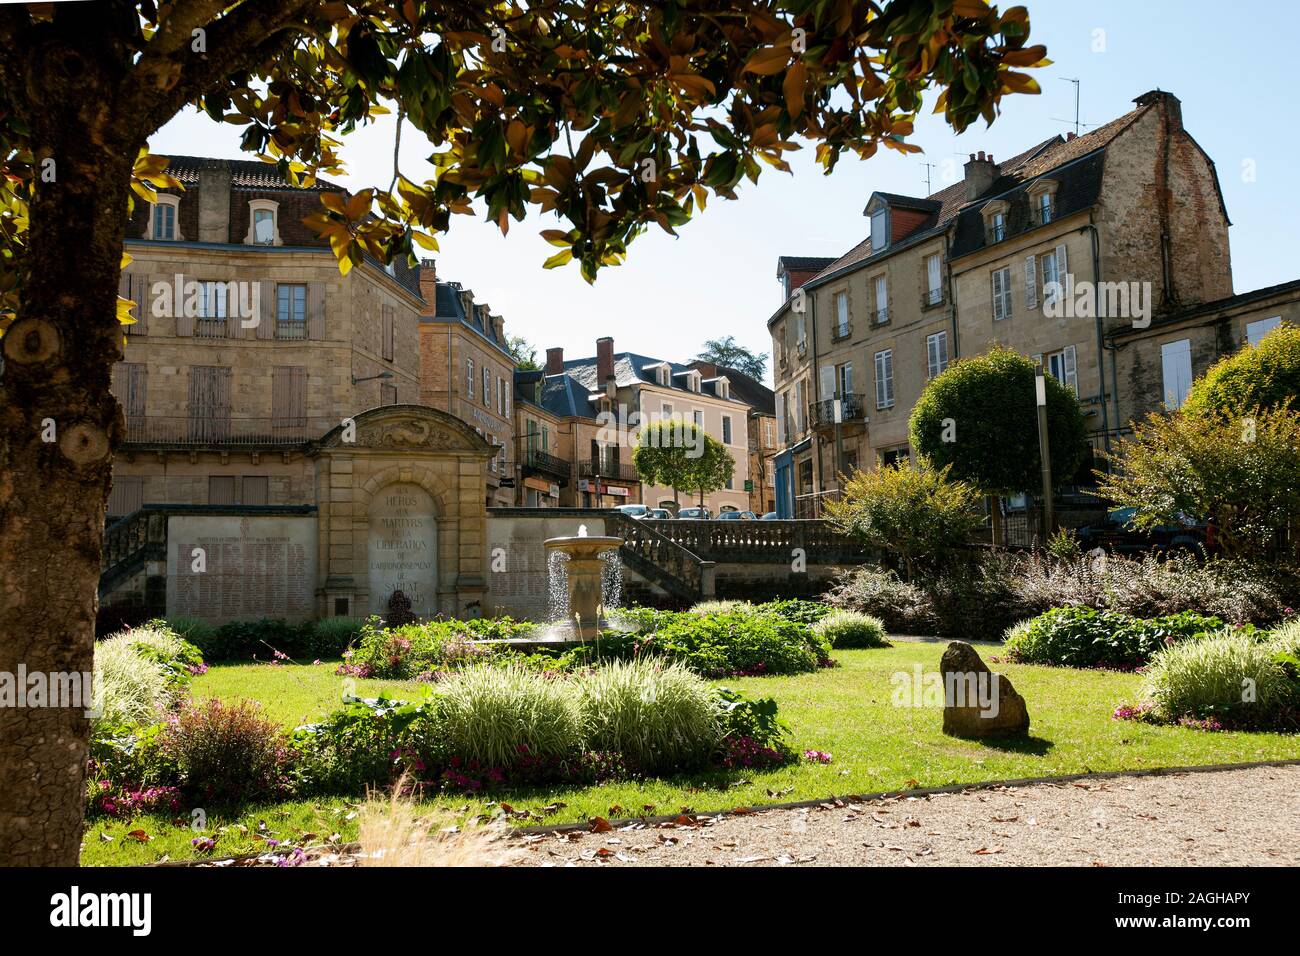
[669,569]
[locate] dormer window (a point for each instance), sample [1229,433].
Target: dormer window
[723,388]
[164,218]
[263,223]
[1042,200]
[879,228]
[995,221]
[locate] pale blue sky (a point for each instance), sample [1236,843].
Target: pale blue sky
[1230,64]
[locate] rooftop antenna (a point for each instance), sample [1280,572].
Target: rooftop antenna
[1077,83]
[929,187]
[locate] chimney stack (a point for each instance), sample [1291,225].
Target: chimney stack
[555,361]
[604,359]
[429,286]
[980,173]
[1168,104]
[214,201]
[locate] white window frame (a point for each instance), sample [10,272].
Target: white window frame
[165,199]
[844,378]
[1067,367]
[934,278]
[1176,371]
[1000,288]
[469,377]
[841,314]
[263,205]
[1261,327]
[885,379]
[880,290]
[936,354]
[880,229]
[727,432]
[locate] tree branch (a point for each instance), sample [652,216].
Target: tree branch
[249,34]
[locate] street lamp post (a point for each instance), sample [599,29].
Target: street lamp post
[1044,450]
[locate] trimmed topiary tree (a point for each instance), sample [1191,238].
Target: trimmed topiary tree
[980,419]
[1266,375]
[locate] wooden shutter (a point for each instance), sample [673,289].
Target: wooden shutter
[184,323]
[780,419]
[266,310]
[254,490]
[316,310]
[826,376]
[127,496]
[234,321]
[997,294]
[289,397]
[132,286]
[1031,282]
[209,403]
[221,489]
[1061,267]
[1071,369]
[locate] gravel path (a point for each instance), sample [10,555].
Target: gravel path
[1225,818]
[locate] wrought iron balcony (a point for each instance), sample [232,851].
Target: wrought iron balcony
[216,430]
[617,471]
[853,411]
[536,462]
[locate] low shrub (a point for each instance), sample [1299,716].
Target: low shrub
[423,650]
[1230,678]
[1084,637]
[262,639]
[659,717]
[500,716]
[720,607]
[797,610]
[226,752]
[852,629]
[129,688]
[903,607]
[365,743]
[736,642]
[753,734]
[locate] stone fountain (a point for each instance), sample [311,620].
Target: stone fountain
[585,571]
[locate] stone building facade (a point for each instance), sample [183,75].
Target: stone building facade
[1129,217]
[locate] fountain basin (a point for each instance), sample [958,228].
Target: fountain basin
[584,570]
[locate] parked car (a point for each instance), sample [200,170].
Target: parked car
[634,511]
[770,516]
[660,514]
[1116,532]
[736,516]
[695,514]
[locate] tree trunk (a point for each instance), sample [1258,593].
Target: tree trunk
[59,426]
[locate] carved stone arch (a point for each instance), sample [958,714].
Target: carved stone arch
[413,474]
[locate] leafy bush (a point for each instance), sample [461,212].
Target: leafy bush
[245,640]
[496,716]
[903,607]
[226,752]
[736,642]
[1083,637]
[1266,375]
[753,734]
[423,650]
[659,717]
[331,636]
[365,743]
[720,607]
[852,629]
[980,417]
[1241,472]
[799,611]
[1230,677]
[914,512]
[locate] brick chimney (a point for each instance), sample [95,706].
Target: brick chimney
[604,359]
[555,361]
[980,173]
[214,201]
[1168,104]
[429,285]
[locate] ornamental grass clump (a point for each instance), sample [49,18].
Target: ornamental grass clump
[1231,676]
[659,717]
[852,629]
[499,716]
[128,689]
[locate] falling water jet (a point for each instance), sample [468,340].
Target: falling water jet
[585,576]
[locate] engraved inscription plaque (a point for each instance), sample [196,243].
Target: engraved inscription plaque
[403,549]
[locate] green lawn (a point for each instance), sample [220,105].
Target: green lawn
[846,711]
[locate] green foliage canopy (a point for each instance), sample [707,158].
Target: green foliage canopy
[1266,375]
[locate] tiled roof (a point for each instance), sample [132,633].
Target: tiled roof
[449,306]
[804,263]
[949,202]
[744,387]
[244,173]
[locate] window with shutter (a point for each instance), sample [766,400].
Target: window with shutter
[290,311]
[780,419]
[288,399]
[1061,366]
[726,429]
[1176,364]
[387,394]
[1051,279]
[210,322]
[1031,282]
[469,378]
[882,299]
[841,315]
[1001,293]
[936,352]
[208,411]
[127,496]
[487,387]
[254,490]
[221,489]
[826,382]
[885,378]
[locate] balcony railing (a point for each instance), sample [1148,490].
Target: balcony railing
[193,430]
[543,463]
[841,331]
[617,471]
[933,297]
[853,411]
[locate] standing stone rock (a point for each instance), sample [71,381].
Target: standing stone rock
[977,701]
